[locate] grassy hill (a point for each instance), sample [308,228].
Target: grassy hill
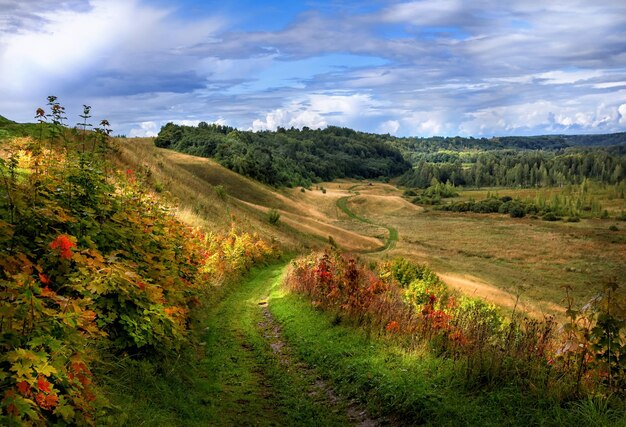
[120,312]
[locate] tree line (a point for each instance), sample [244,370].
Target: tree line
[292,157]
[288,157]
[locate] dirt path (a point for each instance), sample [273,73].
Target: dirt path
[342,204]
[255,377]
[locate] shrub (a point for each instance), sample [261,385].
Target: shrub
[572,219]
[550,217]
[516,210]
[613,227]
[273,216]
[220,191]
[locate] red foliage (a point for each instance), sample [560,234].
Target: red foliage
[43,384]
[23,387]
[64,246]
[393,326]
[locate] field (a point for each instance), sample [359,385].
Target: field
[488,255]
[253,346]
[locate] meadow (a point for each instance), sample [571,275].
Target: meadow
[142,285]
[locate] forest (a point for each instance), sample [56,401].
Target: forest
[288,157]
[292,157]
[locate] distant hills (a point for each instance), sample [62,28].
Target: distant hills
[300,157]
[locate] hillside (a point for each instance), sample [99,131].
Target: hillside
[288,157]
[185,331]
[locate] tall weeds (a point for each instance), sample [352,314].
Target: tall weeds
[584,356]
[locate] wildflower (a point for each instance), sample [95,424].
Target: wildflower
[64,245]
[44,279]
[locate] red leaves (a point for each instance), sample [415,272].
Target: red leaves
[23,387]
[43,384]
[393,327]
[47,401]
[44,279]
[63,244]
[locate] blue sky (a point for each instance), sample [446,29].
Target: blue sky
[427,67]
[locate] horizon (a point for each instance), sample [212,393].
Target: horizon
[411,69]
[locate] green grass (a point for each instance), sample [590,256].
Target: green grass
[238,380]
[342,204]
[410,387]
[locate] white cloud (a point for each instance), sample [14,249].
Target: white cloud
[287,119]
[114,36]
[390,127]
[145,129]
[622,114]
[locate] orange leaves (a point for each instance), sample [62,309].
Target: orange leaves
[393,327]
[47,401]
[63,244]
[23,387]
[43,384]
[44,279]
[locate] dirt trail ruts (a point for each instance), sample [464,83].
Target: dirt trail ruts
[319,388]
[342,203]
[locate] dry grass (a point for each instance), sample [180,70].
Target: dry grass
[497,254]
[492,255]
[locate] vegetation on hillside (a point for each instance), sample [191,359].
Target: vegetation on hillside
[92,266]
[288,157]
[507,168]
[583,357]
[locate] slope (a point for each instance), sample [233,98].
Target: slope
[211,195]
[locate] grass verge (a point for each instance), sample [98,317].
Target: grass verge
[238,380]
[411,387]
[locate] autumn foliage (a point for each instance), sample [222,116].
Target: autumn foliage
[410,303]
[91,262]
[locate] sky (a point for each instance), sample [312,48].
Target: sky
[477,68]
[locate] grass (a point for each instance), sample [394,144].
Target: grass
[609,197]
[527,256]
[411,387]
[390,243]
[238,380]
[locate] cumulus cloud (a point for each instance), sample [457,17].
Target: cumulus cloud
[287,119]
[415,67]
[390,126]
[144,129]
[622,114]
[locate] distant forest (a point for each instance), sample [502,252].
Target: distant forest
[290,157]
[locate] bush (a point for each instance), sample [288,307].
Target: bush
[572,219]
[516,210]
[550,216]
[273,216]
[613,228]
[409,193]
[220,191]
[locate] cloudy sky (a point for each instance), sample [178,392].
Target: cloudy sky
[428,67]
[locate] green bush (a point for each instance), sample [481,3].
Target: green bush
[517,210]
[273,216]
[550,216]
